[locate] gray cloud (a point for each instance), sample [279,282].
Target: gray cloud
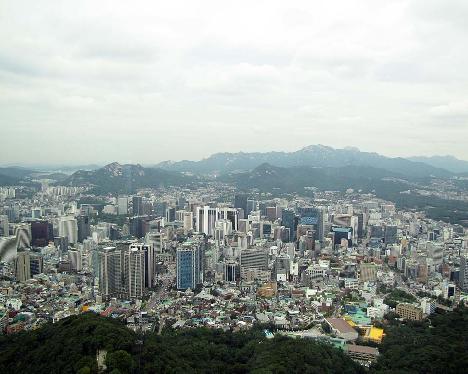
[145,81]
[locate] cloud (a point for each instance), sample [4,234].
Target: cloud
[151,80]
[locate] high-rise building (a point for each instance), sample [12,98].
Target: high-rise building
[111,272]
[463,277]
[23,235]
[230,214]
[4,226]
[23,266]
[40,231]
[289,220]
[137,204]
[240,202]
[206,219]
[83,228]
[254,258]
[134,272]
[390,234]
[189,266]
[122,205]
[36,263]
[313,216]
[68,228]
[74,257]
[148,257]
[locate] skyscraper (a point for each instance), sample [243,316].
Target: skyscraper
[83,228]
[189,267]
[22,266]
[137,203]
[134,270]
[289,221]
[122,205]
[68,228]
[110,272]
[205,219]
[240,202]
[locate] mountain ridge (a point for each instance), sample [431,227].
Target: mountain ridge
[312,155]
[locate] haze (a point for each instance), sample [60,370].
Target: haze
[146,81]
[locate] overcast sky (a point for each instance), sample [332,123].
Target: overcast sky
[146,81]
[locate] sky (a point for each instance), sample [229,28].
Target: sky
[147,81]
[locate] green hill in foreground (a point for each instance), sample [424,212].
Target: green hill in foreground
[70,346]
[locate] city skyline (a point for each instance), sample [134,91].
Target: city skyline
[146,82]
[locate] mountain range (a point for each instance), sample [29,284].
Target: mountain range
[314,156]
[449,163]
[117,178]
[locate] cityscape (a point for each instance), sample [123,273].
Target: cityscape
[220,187]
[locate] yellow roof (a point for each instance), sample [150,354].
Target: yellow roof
[375,333]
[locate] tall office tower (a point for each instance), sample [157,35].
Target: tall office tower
[170,214]
[68,228]
[313,216]
[188,222]
[160,209]
[360,227]
[243,225]
[376,232]
[254,258]
[155,238]
[390,235]
[61,243]
[22,267]
[134,272]
[76,262]
[36,213]
[463,279]
[110,272]
[4,226]
[122,205]
[271,213]
[231,271]
[148,258]
[36,263]
[40,233]
[205,219]
[137,203]
[139,226]
[230,214]
[23,235]
[240,202]
[188,265]
[251,206]
[83,228]
[289,220]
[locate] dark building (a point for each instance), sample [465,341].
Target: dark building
[35,263]
[342,233]
[83,228]
[289,221]
[170,214]
[312,216]
[137,203]
[40,231]
[240,202]
[390,235]
[61,243]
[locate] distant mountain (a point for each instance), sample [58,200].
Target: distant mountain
[267,177]
[116,178]
[450,163]
[6,180]
[314,155]
[16,172]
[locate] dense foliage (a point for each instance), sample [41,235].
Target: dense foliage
[71,345]
[437,345]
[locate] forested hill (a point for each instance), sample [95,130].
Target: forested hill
[69,346]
